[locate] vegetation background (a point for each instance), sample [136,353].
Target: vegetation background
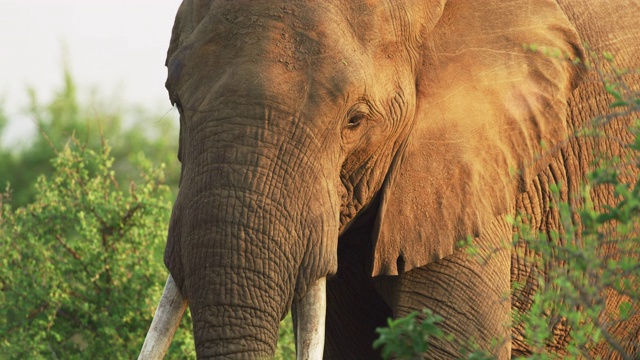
[82,226]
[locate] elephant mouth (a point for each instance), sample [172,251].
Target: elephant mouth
[310,311]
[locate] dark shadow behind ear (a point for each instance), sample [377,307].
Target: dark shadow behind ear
[486,110]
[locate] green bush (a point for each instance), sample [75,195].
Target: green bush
[286,348]
[79,272]
[130,131]
[407,338]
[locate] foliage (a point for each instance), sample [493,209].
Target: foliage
[580,270]
[131,132]
[407,338]
[79,277]
[286,348]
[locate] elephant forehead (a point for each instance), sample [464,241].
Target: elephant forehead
[297,35]
[296,56]
[367,20]
[233,26]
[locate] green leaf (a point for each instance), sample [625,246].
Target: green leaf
[612,89]
[608,56]
[619,103]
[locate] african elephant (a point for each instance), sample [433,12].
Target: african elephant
[340,150]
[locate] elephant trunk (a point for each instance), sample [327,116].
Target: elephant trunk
[249,236]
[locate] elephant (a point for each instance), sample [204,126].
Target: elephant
[335,153]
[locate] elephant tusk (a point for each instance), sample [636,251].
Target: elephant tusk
[165,322]
[311,313]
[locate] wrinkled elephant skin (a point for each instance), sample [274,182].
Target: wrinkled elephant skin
[360,142]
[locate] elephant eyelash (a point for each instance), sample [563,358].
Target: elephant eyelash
[358,114]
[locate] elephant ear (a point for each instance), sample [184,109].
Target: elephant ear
[486,110]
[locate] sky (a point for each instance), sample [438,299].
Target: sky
[116,47]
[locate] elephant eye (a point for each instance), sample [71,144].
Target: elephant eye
[356,120]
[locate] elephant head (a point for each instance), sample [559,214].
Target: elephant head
[298,120]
